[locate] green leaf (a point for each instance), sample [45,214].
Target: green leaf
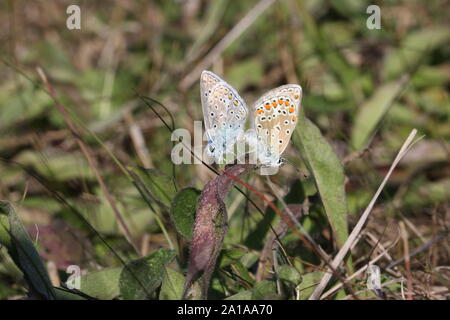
[183,210]
[103,284]
[372,111]
[328,174]
[229,256]
[63,294]
[141,277]
[241,295]
[308,284]
[5,238]
[265,290]
[159,186]
[172,285]
[289,275]
[23,252]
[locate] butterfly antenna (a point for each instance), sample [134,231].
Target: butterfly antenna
[302,173]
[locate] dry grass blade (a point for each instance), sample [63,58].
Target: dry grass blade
[356,231]
[406,255]
[360,271]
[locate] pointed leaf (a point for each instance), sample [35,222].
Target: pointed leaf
[265,290]
[103,284]
[289,275]
[141,277]
[24,254]
[372,111]
[172,285]
[327,172]
[183,209]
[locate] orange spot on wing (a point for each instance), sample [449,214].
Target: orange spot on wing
[280,102]
[294,118]
[268,106]
[296,96]
[259,111]
[291,109]
[274,104]
[287,103]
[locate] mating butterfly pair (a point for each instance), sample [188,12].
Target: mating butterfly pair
[275,116]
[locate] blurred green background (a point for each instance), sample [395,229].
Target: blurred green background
[365,89]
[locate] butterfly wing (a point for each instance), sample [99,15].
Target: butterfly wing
[224,111]
[275,117]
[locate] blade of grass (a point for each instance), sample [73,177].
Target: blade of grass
[355,232]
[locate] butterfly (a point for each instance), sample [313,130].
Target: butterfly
[224,113]
[275,116]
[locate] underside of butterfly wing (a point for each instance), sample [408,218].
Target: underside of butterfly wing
[275,118]
[224,111]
